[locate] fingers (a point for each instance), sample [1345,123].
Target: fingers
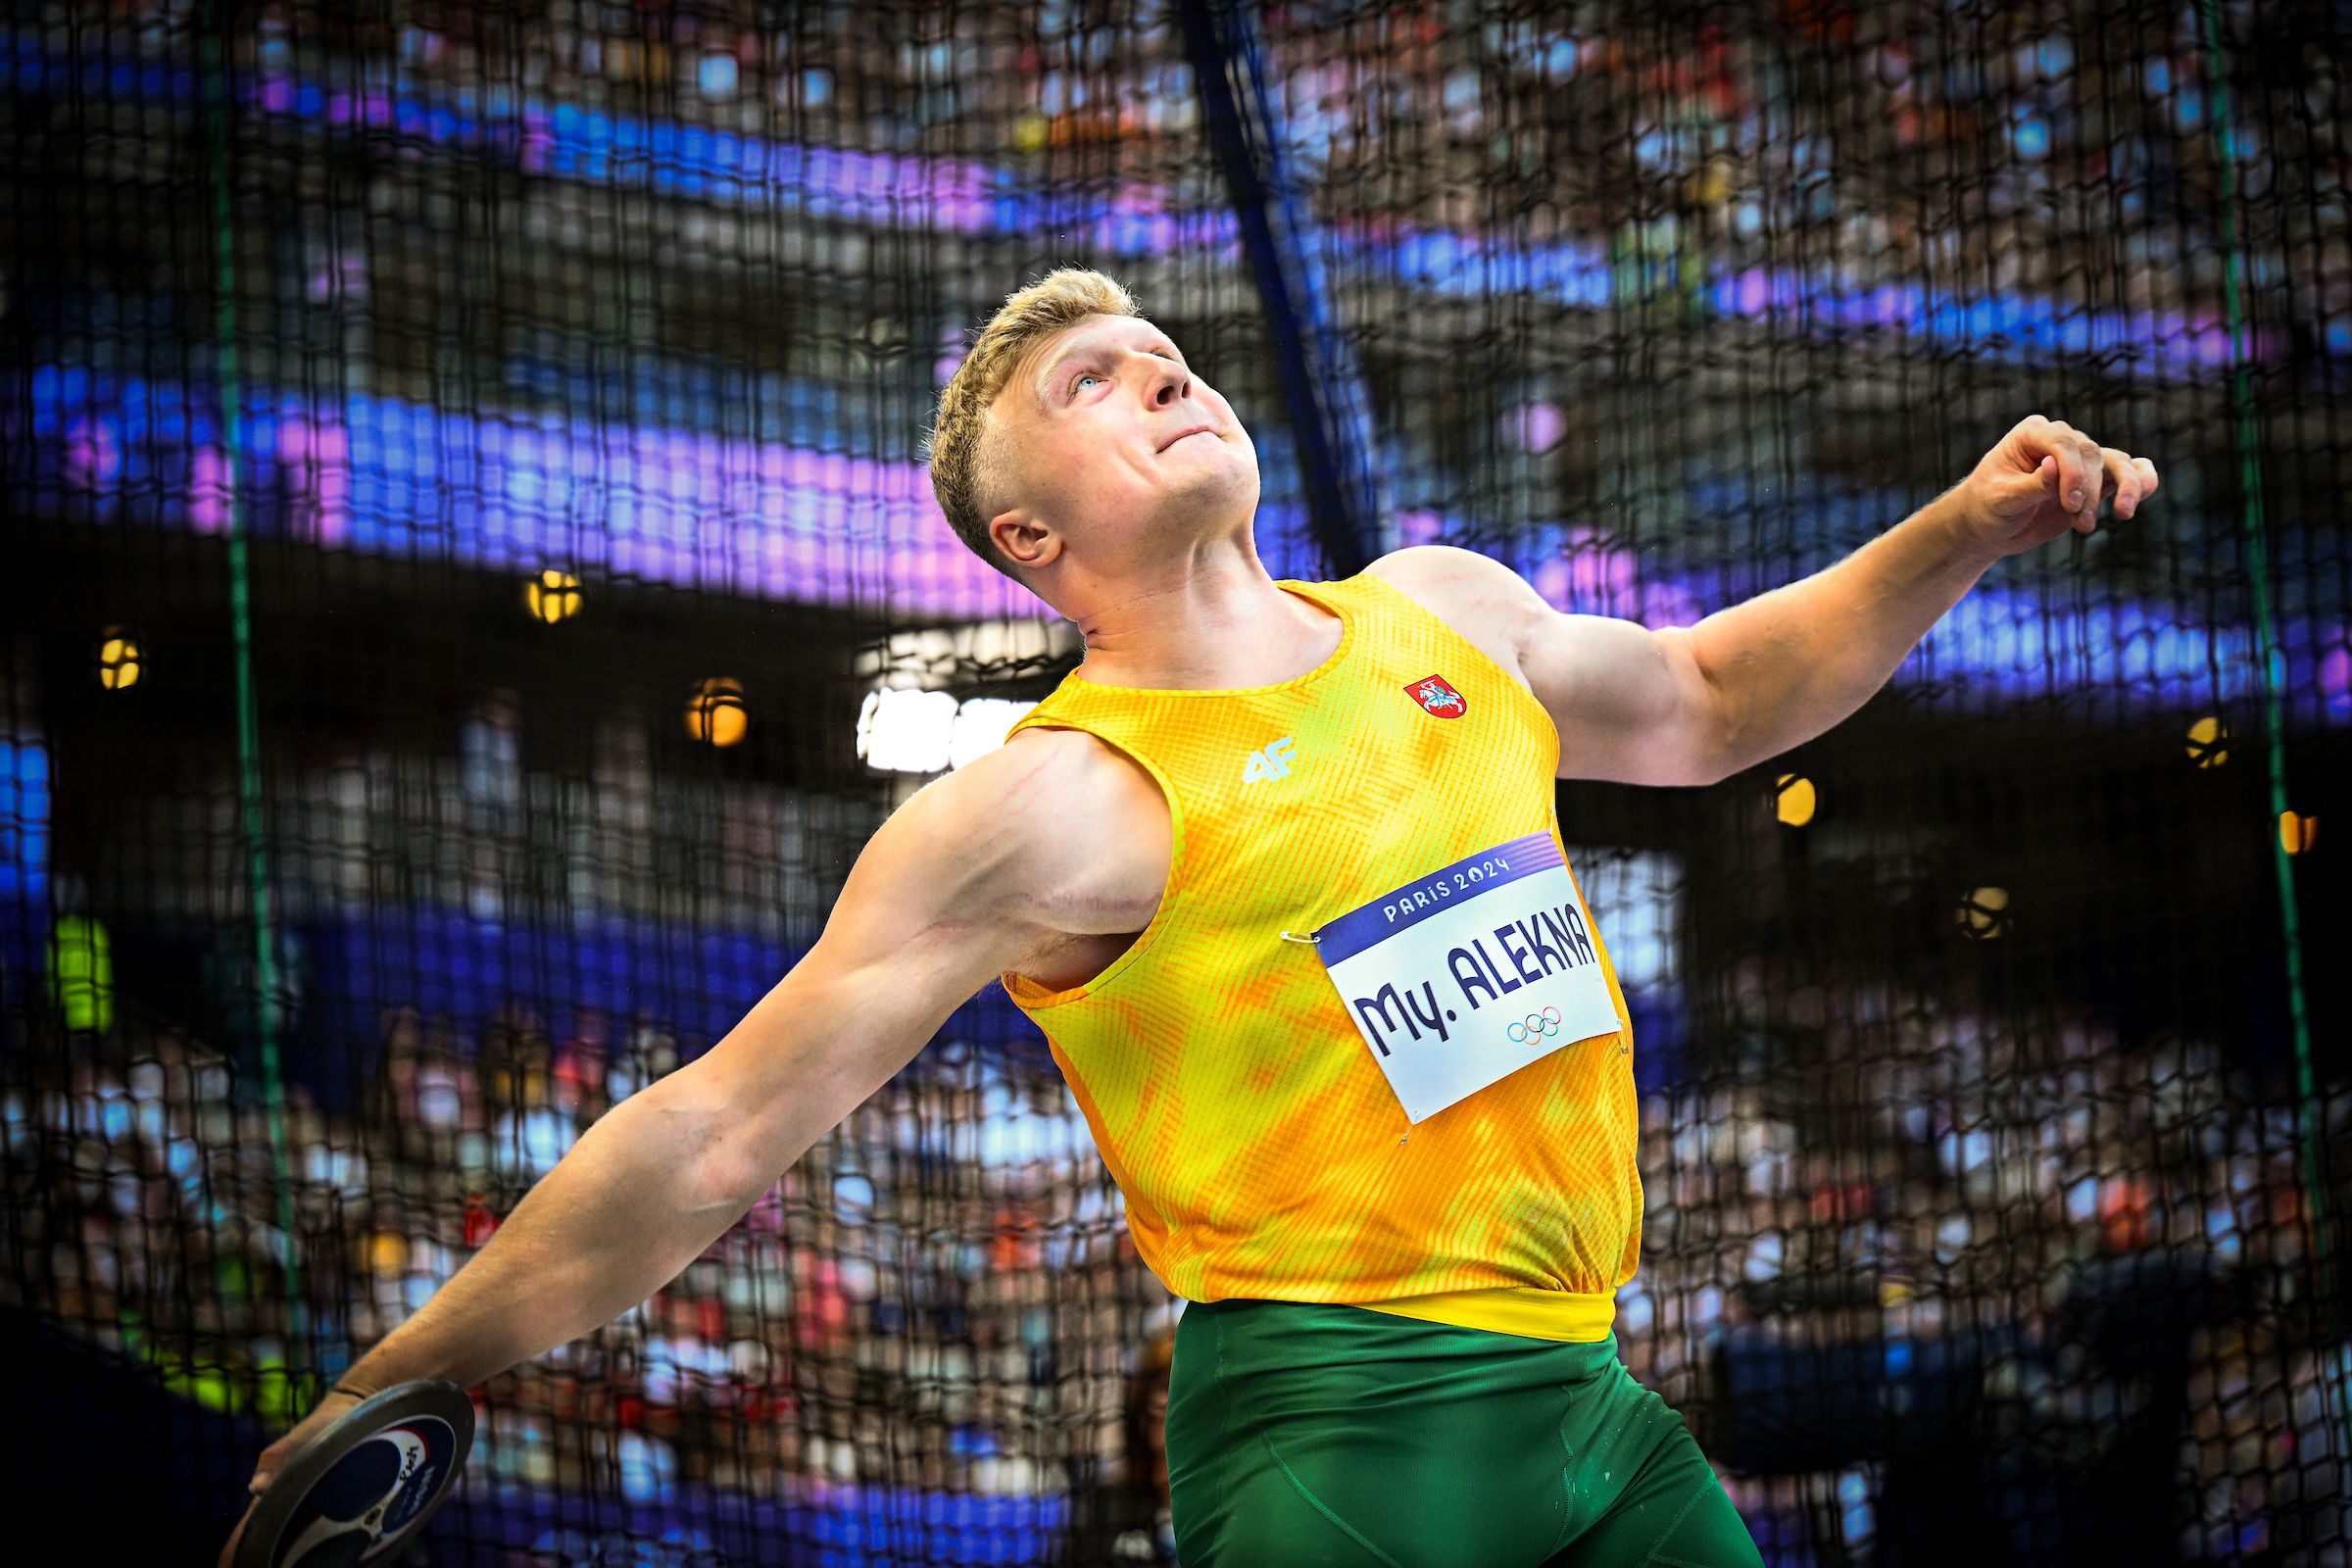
[2134,479]
[272,1457]
[2087,472]
[2079,467]
[2123,479]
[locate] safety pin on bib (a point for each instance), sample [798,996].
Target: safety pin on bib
[1292,936]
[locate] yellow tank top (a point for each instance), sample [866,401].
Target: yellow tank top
[1262,1148]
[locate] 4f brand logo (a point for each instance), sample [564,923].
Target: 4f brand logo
[1272,762]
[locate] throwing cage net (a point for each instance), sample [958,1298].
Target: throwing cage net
[471,586]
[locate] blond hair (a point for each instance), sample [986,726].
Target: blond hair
[1061,298]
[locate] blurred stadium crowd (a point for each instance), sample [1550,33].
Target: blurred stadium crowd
[942,1296]
[2018,152]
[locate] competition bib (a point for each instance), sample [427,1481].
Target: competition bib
[1466,975]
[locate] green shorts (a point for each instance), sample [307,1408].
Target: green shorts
[1304,1434]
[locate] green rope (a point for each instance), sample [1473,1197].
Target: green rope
[2272,671]
[249,759]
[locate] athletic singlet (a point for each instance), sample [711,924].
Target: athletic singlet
[1262,1137]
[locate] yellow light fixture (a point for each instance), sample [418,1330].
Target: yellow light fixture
[1984,913]
[2298,831]
[118,659]
[715,714]
[552,596]
[1794,800]
[2209,741]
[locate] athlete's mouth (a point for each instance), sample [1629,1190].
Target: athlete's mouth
[1197,429]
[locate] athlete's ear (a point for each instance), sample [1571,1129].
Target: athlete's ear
[1023,539]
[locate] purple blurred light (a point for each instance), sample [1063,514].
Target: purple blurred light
[727,516]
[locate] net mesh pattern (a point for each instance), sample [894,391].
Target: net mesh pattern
[540,390]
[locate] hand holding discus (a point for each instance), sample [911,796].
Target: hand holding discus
[354,1478]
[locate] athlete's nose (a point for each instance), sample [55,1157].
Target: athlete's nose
[1170,385]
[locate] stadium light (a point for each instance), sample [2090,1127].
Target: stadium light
[906,730]
[715,713]
[980,726]
[1984,913]
[552,596]
[1795,799]
[2298,831]
[118,659]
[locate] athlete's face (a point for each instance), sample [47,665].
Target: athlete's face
[1108,444]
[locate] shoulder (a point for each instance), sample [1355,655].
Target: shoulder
[1094,786]
[1455,573]
[1073,763]
[1054,832]
[1035,785]
[1457,584]
[1078,825]
[1481,600]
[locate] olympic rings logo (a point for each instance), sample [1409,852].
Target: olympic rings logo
[1542,1025]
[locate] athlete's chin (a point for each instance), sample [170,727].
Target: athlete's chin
[1213,489]
[1189,527]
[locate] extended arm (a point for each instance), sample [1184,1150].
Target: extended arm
[1695,705]
[1787,664]
[938,905]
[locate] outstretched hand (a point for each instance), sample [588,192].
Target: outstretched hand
[330,1409]
[2047,477]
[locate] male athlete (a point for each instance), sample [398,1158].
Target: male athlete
[1276,871]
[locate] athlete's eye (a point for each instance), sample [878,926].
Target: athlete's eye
[1082,378]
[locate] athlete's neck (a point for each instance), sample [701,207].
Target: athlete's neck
[1218,628]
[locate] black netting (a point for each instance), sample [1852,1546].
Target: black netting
[471,587]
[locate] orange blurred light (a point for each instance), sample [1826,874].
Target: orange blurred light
[715,714]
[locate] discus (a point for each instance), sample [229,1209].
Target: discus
[355,1492]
